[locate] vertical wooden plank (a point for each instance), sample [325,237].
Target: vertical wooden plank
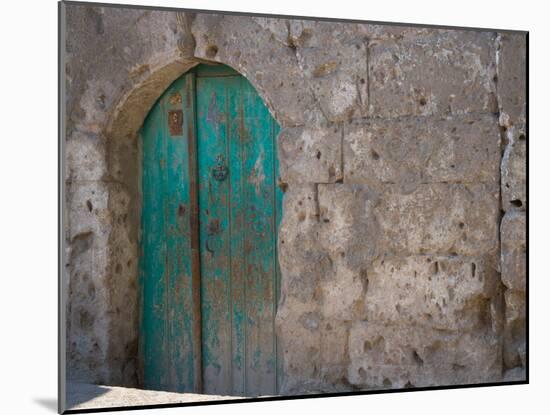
[174,229]
[153,248]
[178,239]
[238,259]
[260,272]
[212,104]
[190,118]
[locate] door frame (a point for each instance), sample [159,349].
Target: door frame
[186,124]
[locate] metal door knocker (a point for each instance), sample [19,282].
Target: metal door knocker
[220,170]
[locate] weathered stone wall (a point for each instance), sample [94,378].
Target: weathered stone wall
[400,148]
[511,60]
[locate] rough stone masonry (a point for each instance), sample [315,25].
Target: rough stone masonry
[403,152]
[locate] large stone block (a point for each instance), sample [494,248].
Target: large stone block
[316,34]
[348,230]
[334,355]
[359,222]
[85,157]
[301,258]
[513,230]
[514,277]
[343,292]
[514,170]
[333,58]
[279,28]
[334,342]
[310,154]
[450,73]
[398,356]
[515,331]
[440,218]
[88,209]
[512,77]
[402,33]
[439,292]
[122,282]
[88,293]
[103,287]
[423,150]
[271,66]
[299,330]
[87,320]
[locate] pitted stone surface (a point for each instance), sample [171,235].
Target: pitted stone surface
[333,58]
[423,150]
[445,293]
[514,170]
[512,94]
[515,329]
[272,66]
[310,154]
[391,161]
[87,311]
[512,77]
[452,73]
[403,355]
[334,355]
[514,262]
[123,46]
[347,221]
[85,157]
[514,277]
[343,294]
[440,218]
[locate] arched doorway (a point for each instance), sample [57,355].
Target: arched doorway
[210,212]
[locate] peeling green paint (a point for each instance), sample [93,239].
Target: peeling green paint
[239,212]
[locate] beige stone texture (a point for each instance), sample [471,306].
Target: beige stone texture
[402,155]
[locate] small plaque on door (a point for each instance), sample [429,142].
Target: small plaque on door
[175,122]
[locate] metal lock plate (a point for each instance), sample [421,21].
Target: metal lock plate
[175,122]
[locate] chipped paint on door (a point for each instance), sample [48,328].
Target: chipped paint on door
[224,342]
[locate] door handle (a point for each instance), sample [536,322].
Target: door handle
[220,170]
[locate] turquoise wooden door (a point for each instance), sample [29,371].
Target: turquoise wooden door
[210,213]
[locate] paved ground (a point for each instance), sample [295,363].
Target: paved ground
[86,396]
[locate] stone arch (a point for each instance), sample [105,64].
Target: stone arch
[121,134]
